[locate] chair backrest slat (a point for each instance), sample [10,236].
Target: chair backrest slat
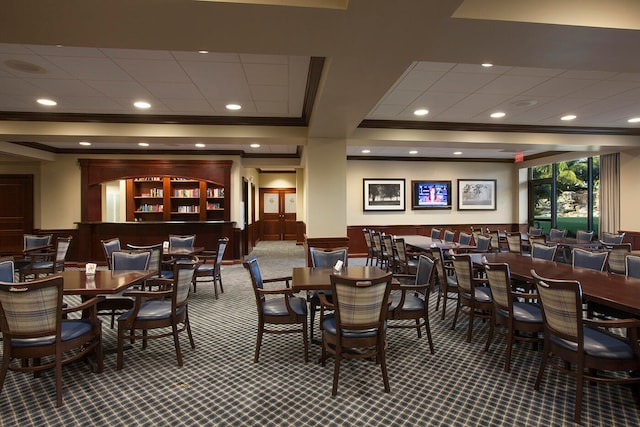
[360,304]
[464,273]
[499,278]
[561,303]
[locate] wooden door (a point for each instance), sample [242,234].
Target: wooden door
[16,212]
[278,213]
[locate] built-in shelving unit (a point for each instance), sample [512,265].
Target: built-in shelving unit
[161,198]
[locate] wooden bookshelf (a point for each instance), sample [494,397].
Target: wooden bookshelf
[163,198]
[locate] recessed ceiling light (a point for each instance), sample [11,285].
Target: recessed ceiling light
[421,112]
[457,153]
[200,145]
[233,107]
[203,52]
[255,145]
[498,115]
[568,117]
[413,152]
[85,143]
[143,144]
[47,102]
[142,104]
[634,120]
[487,65]
[365,151]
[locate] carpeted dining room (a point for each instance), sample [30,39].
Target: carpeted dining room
[219,385]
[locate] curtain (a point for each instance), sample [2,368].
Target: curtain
[609,193]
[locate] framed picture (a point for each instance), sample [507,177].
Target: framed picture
[383,194]
[476,194]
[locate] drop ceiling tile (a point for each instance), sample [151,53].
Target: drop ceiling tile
[436,102]
[86,104]
[188,106]
[174,90]
[51,71]
[418,80]
[15,49]
[607,89]
[90,68]
[584,74]
[462,82]
[266,74]
[559,87]
[206,57]
[632,77]
[478,68]
[66,51]
[153,70]
[263,59]
[130,90]
[386,111]
[269,93]
[401,97]
[511,85]
[269,108]
[64,87]
[138,54]
[18,87]
[532,71]
[433,66]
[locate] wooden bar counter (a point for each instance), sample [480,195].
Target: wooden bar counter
[151,232]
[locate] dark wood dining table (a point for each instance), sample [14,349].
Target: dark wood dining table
[612,290]
[78,282]
[318,278]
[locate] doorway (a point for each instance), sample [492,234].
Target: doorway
[278,213]
[16,213]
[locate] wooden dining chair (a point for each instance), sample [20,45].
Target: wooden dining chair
[277,306]
[445,280]
[35,335]
[474,298]
[612,238]
[412,300]
[164,311]
[357,327]
[587,259]
[580,347]
[540,251]
[209,267]
[632,266]
[514,243]
[368,239]
[108,246]
[7,272]
[49,262]
[522,321]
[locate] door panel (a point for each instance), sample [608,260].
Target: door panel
[278,213]
[16,212]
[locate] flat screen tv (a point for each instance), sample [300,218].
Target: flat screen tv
[431,194]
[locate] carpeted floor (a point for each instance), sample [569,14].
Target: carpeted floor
[219,385]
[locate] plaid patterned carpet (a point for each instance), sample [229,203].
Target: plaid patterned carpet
[219,385]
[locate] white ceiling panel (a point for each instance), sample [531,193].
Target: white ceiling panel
[462,82]
[131,90]
[174,90]
[267,74]
[90,68]
[511,85]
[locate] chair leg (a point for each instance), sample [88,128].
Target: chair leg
[455,315]
[336,371]
[383,366]
[428,328]
[58,378]
[418,328]
[445,297]
[472,313]
[543,364]
[579,386]
[312,314]
[220,281]
[187,325]
[492,327]
[176,343]
[507,356]
[305,337]
[120,354]
[258,342]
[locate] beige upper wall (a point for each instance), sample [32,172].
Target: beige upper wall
[503,173]
[629,180]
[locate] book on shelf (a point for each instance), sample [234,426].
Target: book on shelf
[187,192]
[188,209]
[215,192]
[150,208]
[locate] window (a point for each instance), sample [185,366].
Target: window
[565,195]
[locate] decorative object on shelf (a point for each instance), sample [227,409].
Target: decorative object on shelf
[383,194]
[477,194]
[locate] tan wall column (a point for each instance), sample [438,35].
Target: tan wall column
[326,187]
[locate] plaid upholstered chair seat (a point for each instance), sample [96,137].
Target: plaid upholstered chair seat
[278,307]
[598,344]
[411,302]
[153,310]
[71,329]
[481,294]
[523,312]
[329,325]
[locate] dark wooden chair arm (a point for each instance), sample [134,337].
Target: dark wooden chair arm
[324,301]
[91,302]
[282,291]
[286,279]
[148,294]
[613,323]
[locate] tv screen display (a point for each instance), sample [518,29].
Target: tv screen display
[431,194]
